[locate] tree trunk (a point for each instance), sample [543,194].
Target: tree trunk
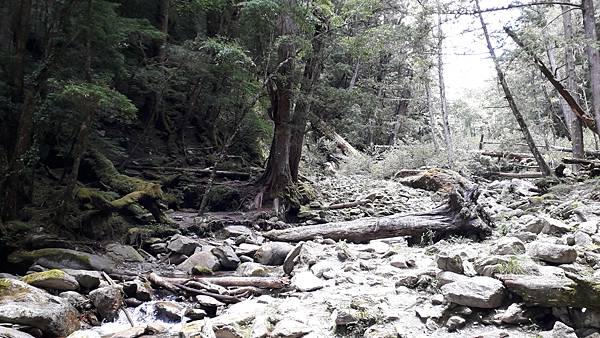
[431,116]
[593,54]
[443,101]
[573,122]
[21,35]
[164,27]
[511,102]
[354,75]
[277,177]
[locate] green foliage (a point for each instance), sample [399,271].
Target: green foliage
[97,98]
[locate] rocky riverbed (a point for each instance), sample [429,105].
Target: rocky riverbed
[536,276]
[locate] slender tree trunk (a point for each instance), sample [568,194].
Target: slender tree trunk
[544,168]
[354,75]
[573,122]
[432,129]
[164,27]
[21,35]
[443,101]
[593,54]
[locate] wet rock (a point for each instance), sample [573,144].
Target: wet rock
[481,292]
[455,322]
[138,290]
[75,299]
[508,246]
[158,248]
[168,311]
[227,257]
[107,301]
[289,328]
[183,245]
[6,332]
[273,253]
[202,259]
[87,279]
[23,304]
[123,253]
[195,314]
[306,281]
[251,269]
[450,262]
[52,280]
[559,330]
[553,253]
[58,258]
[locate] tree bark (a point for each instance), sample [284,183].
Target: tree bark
[443,101]
[593,54]
[431,116]
[511,102]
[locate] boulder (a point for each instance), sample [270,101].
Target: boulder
[245,249]
[87,279]
[450,262]
[251,269]
[123,253]
[273,253]
[553,226]
[108,301]
[203,259]
[138,290]
[289,328]
[183,245]
[559,330]
[168,311]
[52,280]
[6,332]
[21,303]
[58,258]
[552,253]
[227,257]
[84,334]
[480,292]
[508,246]
[589,227]
[306,281]
[77,300]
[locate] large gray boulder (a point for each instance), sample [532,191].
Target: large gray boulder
[52,280]
[183,245]
[480,292]
[552,253]
[227,257]
[560,330]
[6,332]
[21,303]
[108,301]
[508,246]
[87,279]
[58,258]
[273,253]
[201,260]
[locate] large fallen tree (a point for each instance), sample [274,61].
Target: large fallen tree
[459,215]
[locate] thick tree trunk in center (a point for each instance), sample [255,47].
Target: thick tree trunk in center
[593,54]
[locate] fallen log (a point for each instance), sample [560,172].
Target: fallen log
[228,281]
[460,215]
[327,131]
[236,175]
[223,298]
[590,153]
[504,154]
[590,163]
[530,174]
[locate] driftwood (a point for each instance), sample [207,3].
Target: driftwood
[228,281]
[223,298]
[236,175]
[590,153]
[590,163]
[531,174]
[460,215]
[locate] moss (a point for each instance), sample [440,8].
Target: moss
[223,198]
[44,275]
[201,270]
[8,288]
[29,257]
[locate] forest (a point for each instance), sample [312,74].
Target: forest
[299,168]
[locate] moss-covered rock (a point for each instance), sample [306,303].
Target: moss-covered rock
[58,258]
[52,280]
[201,270]
[21,303]
[223,198]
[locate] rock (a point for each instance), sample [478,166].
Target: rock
[306,281]
[450,262]
[251,269]
[289,328]
[245,249]
[480,292]
[588,227]
[208,301]
[378,247]
[559,330]
[52,280]
[535,225]
[381,331]
[227,257]
[454,323]
[322,268]
[399,261]
[345,317]
[261,327]
[197,329]
[155,328]
[158,248]
[58,258]
[138,290]
[183,245]
[6,332]
[553,226]
[23,304]
[551,290]
[553,253]
[508,246]
[236,230]
[168,311]
[132,332]
[84,334]
[107,301]
[75,299]
[195,314]
[200,259]
[514,314]
[445,277]
[507,264]
[290,258]
[123,253]
[583,239]
[273,253]
[87,279]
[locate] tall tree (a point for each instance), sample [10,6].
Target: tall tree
[593,54]
[442,87]
[544,168]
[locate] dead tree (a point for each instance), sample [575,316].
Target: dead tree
[511,101]
[459,215]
